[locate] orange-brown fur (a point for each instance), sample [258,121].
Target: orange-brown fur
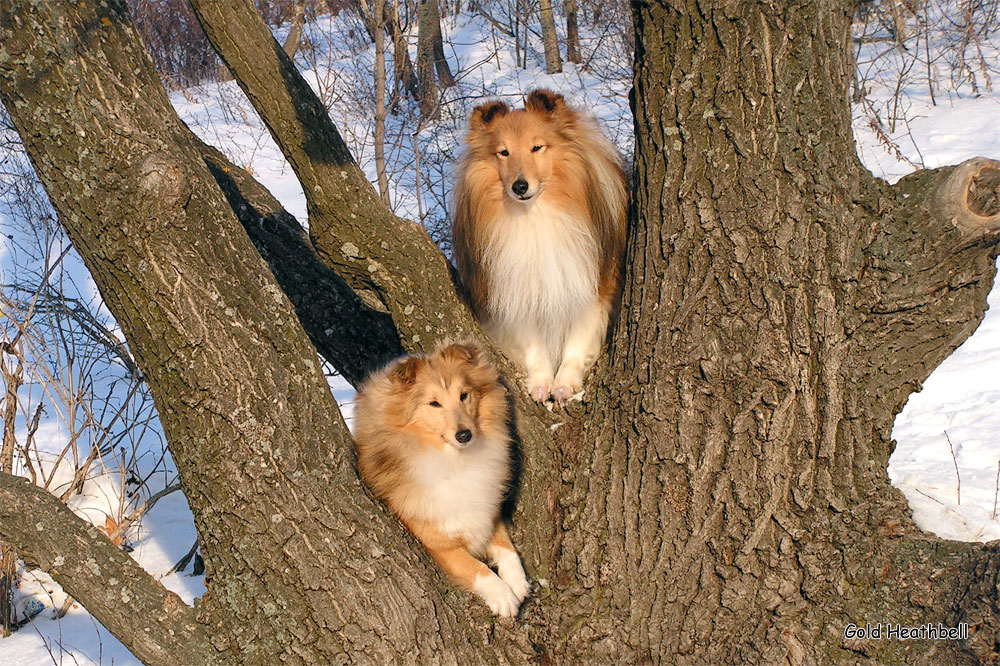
[568,166]
[408,423]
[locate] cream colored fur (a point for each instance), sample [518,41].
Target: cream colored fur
[539,235]
[433,442]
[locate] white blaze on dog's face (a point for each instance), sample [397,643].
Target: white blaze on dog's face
[524,144]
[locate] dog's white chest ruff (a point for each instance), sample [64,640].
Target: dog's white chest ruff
[462,490]
[542,267]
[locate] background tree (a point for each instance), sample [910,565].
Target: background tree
[721,498]
[294,38]
[433,72]
[572,32]
[406,77]
[550,39]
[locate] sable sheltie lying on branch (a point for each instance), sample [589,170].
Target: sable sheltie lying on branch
[433,442]
[539,236]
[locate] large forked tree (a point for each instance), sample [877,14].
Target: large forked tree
[721,497]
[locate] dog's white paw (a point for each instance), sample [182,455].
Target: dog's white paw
[540,386]
[539,393]
[510,570]
[568,382]
[497,595]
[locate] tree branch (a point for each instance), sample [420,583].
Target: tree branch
[151,621]
[346,328]
[352,230]
[300,560]
[969,196]
[929,267]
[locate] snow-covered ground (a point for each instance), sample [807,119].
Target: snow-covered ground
[962,397]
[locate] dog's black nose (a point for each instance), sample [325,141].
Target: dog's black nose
[520,186]
[463,436]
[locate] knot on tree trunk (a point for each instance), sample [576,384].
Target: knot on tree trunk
[162,180]
[970,196]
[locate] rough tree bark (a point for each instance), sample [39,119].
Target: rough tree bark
[238,387]
[797,305]
[722,495]
[433,72]
[550,40]
[572,32]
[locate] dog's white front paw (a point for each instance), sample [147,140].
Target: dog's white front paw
[539,392]
[510,570]
[540,386]
[497,595]
[569,381]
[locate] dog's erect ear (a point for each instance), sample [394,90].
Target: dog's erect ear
[484,114]
[544,101]
[468,351]
[405,371]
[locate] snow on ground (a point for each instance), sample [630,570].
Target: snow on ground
[962,397]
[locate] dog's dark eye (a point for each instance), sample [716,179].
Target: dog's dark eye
[435,403]
[535,149]
[503,153]
[463,397]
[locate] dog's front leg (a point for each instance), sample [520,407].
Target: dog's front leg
[502,553]
[525,344]
[582,347]
[476,577]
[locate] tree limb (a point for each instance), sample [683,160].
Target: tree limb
[928,268]
[969,196]
[347,329]
[300,561]
[352,230]
[150,620]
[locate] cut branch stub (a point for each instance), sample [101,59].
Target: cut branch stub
[970,197]
[984,191]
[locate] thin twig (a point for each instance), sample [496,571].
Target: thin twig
[933,499]
[142,510]
[958,478]
[996,492]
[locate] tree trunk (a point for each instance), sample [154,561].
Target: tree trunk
[12,372]
[572,32]
[430,58]
[294,37]
[425,59]
[796,308]
[445,77]
[383,180]
[263,454]
[722,495]
[406,78]
[553,64]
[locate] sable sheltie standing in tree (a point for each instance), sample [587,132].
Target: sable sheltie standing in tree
[433,442]
[539,236]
